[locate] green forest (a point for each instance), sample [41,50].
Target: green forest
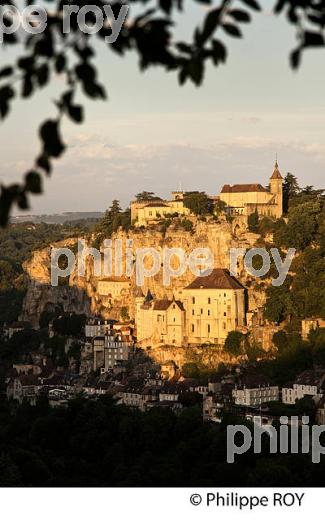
[17,242]
[95,443]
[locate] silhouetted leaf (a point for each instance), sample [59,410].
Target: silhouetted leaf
[60,63]
[44,163]
[6,71]
[33,182]
[313,39]
[42,74]
[49,133]
[219,51]
[239,15]
[27,86]
[253,4]
[210,24]
[6,94]
[76,113]
[295,58]
[232,30]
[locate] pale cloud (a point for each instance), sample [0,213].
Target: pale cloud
[99,172]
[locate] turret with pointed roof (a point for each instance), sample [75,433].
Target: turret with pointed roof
[276,173]
[276,188]
[149,297]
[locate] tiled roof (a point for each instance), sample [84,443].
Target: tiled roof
[218,279]
[243,188]
[163,305]
[254,381]
[156,205]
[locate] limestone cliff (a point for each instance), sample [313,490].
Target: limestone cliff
[80,293]
[41,295]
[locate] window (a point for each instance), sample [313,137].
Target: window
[225,314]
[209,312]
[209,301]
[193,300]
[224,326]
[192,312]
[209,329]
[193,328]
[201,311]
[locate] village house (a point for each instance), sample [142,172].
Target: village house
[25,368]
[110,350]
[23,387]
[320,414]
[137,396]
[309,382]
[112,288]
[169,392]
[17,326]
[97,326]
[309,324]
[254,390]
[212,408]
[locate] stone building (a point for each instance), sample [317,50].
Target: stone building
[245,199]
[240,199]
[113,287]
[309,382]
[159,321]
[146,212]
[205,312]
[110,350]
[309,324]
[215,306]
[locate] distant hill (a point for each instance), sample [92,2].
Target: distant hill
[59,218]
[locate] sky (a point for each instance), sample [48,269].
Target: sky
[154,135]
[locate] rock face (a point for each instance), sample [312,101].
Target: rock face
[80,293]
[42,296]
[209,356]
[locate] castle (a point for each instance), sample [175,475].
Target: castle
[239,200]
[205,312]
[245,199]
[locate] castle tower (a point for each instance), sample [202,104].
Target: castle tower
[276,188]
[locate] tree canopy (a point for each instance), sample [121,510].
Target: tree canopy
[198,203]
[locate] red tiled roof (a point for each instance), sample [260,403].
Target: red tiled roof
[156,205]
[243,188]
